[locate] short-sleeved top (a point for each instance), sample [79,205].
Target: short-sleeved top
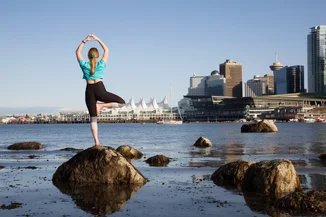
[86,68]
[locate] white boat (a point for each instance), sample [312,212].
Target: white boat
[171,121]
[309,120]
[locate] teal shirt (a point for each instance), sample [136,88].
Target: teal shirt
[86,68]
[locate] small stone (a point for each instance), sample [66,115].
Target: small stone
[158,160]
[203,142]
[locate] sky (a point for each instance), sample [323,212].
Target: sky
[155,46]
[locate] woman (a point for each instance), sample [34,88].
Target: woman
[95,91]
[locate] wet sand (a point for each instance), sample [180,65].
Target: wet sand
[183,188]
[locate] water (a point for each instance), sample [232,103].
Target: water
[175,140]
[182,188]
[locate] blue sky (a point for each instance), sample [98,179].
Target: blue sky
[153,45]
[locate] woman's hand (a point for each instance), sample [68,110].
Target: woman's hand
[94,37]
[88,38]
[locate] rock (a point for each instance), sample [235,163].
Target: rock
[129,152]
[71,149]
[231,174]
[1,167]
[203,142]
[312,202]
[28,167]
[25,146]
[264,126]
[322,156]
[275,178]
[158,160]
[33,156]
[13,205]
[99,200]
[97,165]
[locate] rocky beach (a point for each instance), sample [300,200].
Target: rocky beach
[182,186]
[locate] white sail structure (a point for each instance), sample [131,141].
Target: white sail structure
[143,106]
[164,103]
[130,105]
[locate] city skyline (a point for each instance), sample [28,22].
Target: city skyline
[153,45]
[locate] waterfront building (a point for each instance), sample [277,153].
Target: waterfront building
[207,85]
[130,112]
[281,107]
[269,80]
[232,71]
[197,85]
[289,79]
[255,87]
[215,84]
[317,60]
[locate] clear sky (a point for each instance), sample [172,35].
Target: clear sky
[153,45]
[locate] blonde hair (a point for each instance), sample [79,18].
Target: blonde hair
[92,56]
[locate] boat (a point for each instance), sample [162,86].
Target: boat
[321,120]
[309,120]
[171,121]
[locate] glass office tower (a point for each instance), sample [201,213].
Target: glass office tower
[317,60]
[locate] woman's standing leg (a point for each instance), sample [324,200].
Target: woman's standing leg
[90,99]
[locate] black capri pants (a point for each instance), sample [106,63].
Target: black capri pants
[97,92]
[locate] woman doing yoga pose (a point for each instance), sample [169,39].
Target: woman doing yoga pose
[93,73]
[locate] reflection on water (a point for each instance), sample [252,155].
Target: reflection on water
[313,181]
[263,205]
[99,200]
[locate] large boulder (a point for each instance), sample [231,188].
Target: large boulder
[99,200]
[129,152]
[158,161]
[275,178]
[98,164]
[25,146]
[310,203]
[231,174]
[203,142]
[264,126]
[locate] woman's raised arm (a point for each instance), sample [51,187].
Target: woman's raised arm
[80,47]
[105,48]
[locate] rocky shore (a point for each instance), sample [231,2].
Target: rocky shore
[204,179]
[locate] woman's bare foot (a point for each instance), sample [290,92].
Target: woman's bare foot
[98,144]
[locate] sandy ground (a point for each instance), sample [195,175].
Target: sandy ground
[181,189]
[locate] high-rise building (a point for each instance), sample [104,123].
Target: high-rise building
[197,85]
[213,85]
[269,83]
[232,71]
[317,60]
[289,79]
[255,87]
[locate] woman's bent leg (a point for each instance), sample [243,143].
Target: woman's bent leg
[109,100]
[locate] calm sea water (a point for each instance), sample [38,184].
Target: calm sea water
[308,137]
[175,141]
